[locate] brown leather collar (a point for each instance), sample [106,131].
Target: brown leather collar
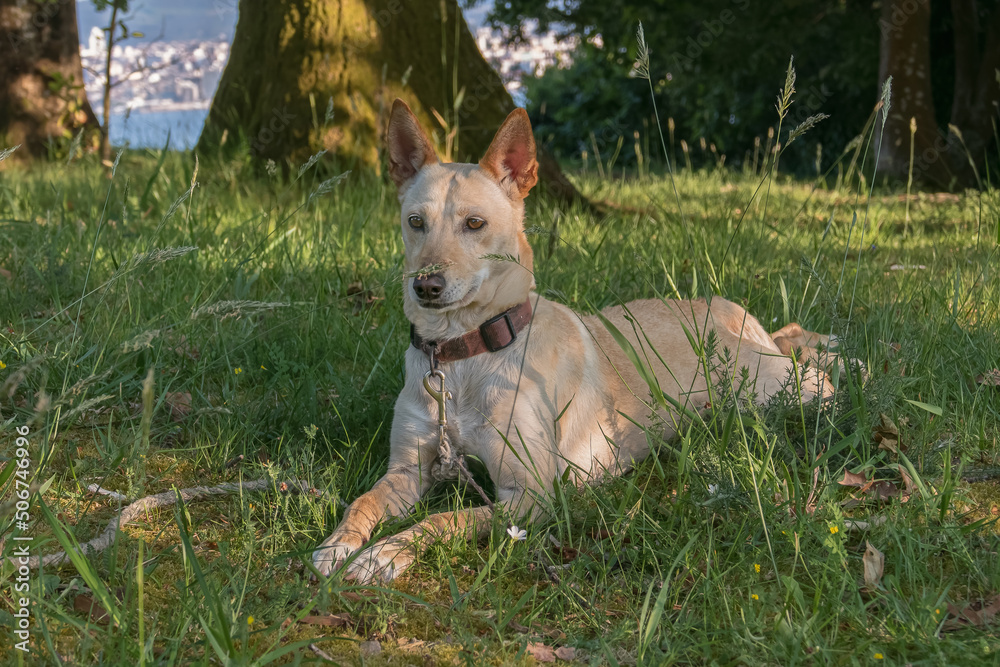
[492,335]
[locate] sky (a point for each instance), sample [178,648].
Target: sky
[175,20]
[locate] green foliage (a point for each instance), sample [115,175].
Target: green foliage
[707,62]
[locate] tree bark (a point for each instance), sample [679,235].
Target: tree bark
[966,33]
[41,78]
[977,91]
[291,58]
[904,55]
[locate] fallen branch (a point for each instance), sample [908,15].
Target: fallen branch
[166,499]
[94,488]
[321,653]
[874,522]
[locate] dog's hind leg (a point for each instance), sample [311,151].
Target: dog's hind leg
[793,335]
[775,373]
[808,347]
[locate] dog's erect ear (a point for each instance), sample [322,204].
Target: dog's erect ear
[409,148]
[512,153]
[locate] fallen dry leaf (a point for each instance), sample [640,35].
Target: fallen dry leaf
[908,488]
[874,562]
[977,614]
[5,273]
[541,652]
[853,479]
[989,378]
[881,490]
[872,489]
[179,403]
[886,435]
[884,490]
[329,620]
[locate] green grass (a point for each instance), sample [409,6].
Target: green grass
[705,554]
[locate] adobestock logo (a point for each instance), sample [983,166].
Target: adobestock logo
[713,29]
[279,121]
[901,13]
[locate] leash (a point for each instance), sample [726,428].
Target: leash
[448,462]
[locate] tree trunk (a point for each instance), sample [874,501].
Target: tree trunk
[977,90]
[966,31]
[904,55]
[291,58]
[41,78]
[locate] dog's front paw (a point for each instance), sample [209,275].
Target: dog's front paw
[330,555]
[382,562]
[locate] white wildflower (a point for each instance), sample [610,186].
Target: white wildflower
[517,534]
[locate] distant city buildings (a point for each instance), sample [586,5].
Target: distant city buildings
[163,89]
[183,75]
[155,76]
[530,57]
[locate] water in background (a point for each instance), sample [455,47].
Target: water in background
[149,129]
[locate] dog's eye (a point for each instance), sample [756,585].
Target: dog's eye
[416,222]
[474,223]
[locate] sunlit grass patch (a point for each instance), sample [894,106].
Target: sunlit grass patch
[276,340]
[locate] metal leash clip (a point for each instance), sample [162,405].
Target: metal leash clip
[440,395]
[448,465]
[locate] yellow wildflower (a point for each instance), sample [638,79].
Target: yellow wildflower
[754,596]
[237,370]
[834,530]
[756,568]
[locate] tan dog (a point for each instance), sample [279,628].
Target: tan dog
[539,389]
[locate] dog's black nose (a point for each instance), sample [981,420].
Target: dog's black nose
[428,287]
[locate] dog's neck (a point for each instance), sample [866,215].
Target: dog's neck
[435,325]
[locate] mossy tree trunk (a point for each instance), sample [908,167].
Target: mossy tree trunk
[41,76]
[291,58]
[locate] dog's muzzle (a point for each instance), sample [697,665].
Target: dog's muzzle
[429,287]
